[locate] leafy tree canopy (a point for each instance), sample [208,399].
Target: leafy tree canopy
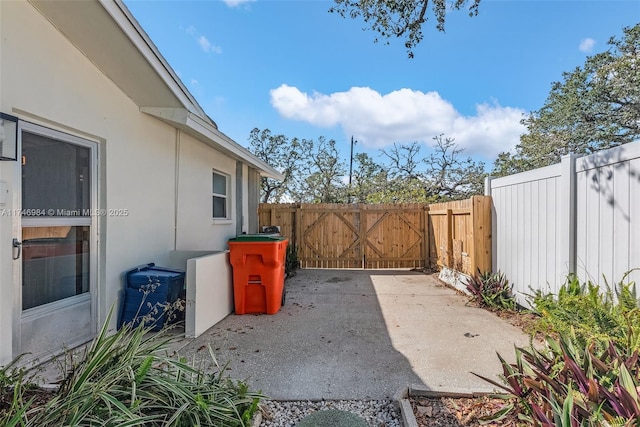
[401,18]
[284,154]
[442,175]
[594,107]
[315,172]
[323,171]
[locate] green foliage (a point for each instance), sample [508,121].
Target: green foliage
[401,18]
[14,383]
[596,106]
[450,176]
[312,169]
[492,290]
[368,177]
[127,379]
[324,171]
[566,385]
[315,173]
[400,190]
[596,315]
[441,176]
[588,374]
[291,262]
[284,154]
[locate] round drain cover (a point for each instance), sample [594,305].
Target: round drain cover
[332,418]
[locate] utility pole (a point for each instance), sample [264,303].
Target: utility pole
[351,168]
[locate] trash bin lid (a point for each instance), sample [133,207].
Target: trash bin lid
[246,238]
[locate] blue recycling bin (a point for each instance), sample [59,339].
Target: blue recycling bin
[148,288]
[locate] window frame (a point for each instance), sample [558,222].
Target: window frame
[21,222]
[227,196]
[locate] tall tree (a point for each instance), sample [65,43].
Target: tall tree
[450,176]
[405,170]
[443,175]
[368,178]
[403,160]
[595,106]
[323,174]
[284,154]
[401,18]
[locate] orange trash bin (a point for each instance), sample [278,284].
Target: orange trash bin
[258,263]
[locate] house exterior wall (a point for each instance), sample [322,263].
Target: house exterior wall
[197,162]
[159,175]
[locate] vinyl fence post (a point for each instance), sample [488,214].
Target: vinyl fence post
[487,185]
[567,231]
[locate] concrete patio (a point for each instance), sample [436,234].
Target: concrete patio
[361,334]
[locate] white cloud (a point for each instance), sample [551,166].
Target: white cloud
[194,82]
[202,41]
[403,115]
[586,45]
[236,3]
[207,46]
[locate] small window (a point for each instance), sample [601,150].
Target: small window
[220,193]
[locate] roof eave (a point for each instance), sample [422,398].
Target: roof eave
[130,25]
[204,131]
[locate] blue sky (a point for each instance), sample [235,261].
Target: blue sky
[294,68]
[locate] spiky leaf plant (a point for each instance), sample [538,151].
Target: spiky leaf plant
[127,378]
[492,290]
[564,385]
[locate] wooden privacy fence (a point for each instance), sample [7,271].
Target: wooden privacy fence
[454,234]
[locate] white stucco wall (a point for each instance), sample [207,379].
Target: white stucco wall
[197,162]
[44,79]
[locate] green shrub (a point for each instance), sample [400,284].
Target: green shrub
[15,385]
[492,290]
[128,379]
[292,262]
[596,315]
[589,372]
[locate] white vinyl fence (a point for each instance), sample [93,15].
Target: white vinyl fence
[579,216]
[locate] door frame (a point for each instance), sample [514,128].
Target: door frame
[20,315]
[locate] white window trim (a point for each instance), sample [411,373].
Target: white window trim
[227,197]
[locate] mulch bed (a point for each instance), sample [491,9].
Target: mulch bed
[456,412]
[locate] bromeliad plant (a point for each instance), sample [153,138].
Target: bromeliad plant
[569,387]
[492,290]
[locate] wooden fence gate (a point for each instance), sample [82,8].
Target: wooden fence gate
[454,234]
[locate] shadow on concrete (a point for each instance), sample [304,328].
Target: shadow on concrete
[361,334]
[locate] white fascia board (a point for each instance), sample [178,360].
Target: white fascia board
[205,131]
[130,26]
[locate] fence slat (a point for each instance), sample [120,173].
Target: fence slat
[413,235]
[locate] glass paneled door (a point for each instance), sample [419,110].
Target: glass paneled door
[57,251]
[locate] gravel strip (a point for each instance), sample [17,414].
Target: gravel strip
[377,413]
